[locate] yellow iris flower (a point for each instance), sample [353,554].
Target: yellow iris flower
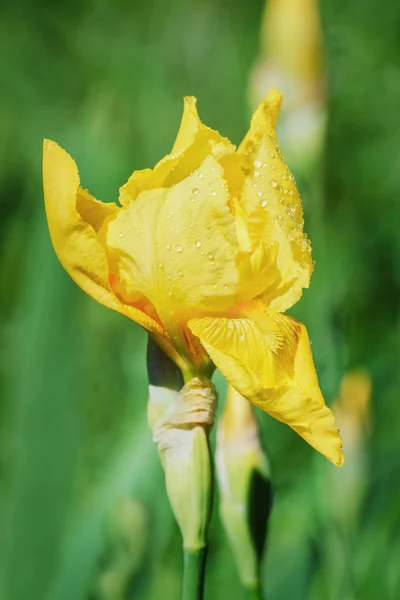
[206,251]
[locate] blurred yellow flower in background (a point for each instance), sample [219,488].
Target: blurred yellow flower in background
[291,58]
[206,251]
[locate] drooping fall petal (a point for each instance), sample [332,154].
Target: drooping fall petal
[74,217]
[267,358]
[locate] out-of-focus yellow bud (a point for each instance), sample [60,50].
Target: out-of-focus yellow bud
[352,410]
[291,58]
[125,546]
[244,486]
[352,414]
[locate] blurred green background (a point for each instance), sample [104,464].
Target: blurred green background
[83,511]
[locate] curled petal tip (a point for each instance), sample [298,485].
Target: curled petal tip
[190,100]
[272,104]
[274,96]
[339,461]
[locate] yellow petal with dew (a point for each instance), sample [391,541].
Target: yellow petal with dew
[74,218]
[194,142]
[267,358]
[272,207]
[177,246]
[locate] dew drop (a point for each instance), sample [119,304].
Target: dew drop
[160,264]
[271,154]
[179,249]
[210,256]
[195,191]
[256,173]
[121,235]
[180,273]
[273,183]
[198,244]
[200,175]
[213,193]
[264,203]
[257,163]
[168,246]
[259,194]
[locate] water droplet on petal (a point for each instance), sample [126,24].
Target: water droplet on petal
[180,273]
[200,175]
[257,163]
[256,173]
[168,246]
[271,154]
[264,203]
[213,193]
[259,194]
[198,244]
[179,248]
[195,191]
[210,256]
[273,183]
[121,235]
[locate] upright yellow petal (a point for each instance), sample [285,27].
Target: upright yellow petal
[194,142]
[177,246]
[267,358]
[74,217]
[272,209]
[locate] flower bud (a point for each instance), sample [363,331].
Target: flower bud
[244,486]
[180,422]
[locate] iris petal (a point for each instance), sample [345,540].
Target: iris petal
[267,358]
[193,143]
[74,217]
[271,210]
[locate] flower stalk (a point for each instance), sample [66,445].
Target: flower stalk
[194,562]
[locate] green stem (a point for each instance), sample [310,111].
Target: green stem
[194,562]
[254,593]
